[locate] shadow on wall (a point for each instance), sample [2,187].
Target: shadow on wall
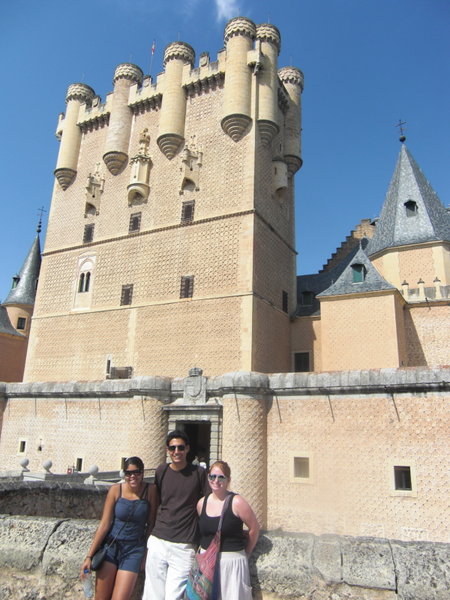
[416,356]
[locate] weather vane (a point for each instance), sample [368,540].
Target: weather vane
[400,124]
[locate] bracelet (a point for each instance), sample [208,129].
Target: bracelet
[90,557]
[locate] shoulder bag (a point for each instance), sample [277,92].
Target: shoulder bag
[201,577]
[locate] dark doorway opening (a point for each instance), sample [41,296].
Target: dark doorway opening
[199,434]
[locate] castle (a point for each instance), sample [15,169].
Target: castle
[168,297]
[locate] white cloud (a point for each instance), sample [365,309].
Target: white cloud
[226,9]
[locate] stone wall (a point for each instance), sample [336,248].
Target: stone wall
[40,559]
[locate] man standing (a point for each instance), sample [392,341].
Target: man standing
[172,544]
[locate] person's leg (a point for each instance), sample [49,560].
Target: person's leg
[155,570]
[180,561]
[234,577]
[124,585]
[104,581]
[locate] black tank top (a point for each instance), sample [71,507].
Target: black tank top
[233,538]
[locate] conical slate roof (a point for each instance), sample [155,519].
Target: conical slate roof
[372,281]
[412,212]
[5,323]
[25,290]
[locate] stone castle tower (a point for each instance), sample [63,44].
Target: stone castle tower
[171,232]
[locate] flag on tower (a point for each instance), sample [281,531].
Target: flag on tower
[153,47]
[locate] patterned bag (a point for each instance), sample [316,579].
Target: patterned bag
[201,577]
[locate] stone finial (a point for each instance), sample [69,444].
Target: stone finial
[179,51]
[291,75]
[81,92]
[240,26]
[128,71]
[144,141]
[269,33]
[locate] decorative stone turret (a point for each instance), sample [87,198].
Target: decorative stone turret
[173,108]
[293,82]
[117,140]
[66,166]
[270,40]
[139,189]
[239,36]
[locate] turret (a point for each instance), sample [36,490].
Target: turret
[239,36]
[66,166]
[268,36]
[292,79]
[117,140]
[173,107]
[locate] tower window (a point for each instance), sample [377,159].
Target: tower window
[127,294]
[285,301]
[411,208]
[79,465]
[22,446]
[21,323]
[301,362]
[359,273]
[88,233]
[84,282]
[15,281]
[187,211]
[301,467]
[135,222]
[402,478]
[187,286]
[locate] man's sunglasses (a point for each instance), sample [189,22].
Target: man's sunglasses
[181,447]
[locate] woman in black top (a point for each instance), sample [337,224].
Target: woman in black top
[232,576]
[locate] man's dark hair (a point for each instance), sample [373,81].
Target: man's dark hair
[177,433]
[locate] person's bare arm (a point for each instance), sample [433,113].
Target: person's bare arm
[243,510]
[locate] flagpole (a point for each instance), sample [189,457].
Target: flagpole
[151,57]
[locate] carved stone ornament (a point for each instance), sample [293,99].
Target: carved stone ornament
[94,189]
[191,161]
[194,388]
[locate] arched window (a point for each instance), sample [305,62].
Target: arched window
[411,208]
[84,281]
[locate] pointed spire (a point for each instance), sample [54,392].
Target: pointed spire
[23,290]
[359,276]
[412,212]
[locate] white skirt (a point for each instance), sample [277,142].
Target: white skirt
[233,577]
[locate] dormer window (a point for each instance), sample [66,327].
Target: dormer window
[359,273]
[15,281]
[306,299]
[411,208]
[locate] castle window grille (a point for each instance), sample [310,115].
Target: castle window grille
[187,286]
[411,208]
[135,222]
[21,323]
[402,478]
[359,273]
[187,212]
[285,301]
[127,294]
[301,362]
[88,235]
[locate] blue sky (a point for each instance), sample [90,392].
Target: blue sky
[367,63]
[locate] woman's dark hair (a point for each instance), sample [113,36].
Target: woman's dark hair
[177,433]
[133,460]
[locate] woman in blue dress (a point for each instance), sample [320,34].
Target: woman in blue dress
[128,518]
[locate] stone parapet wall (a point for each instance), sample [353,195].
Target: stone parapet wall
[40,558]
[49,499]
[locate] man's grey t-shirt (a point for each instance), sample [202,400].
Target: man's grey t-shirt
[179,492]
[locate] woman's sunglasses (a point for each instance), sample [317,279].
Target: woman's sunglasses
[220,478]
